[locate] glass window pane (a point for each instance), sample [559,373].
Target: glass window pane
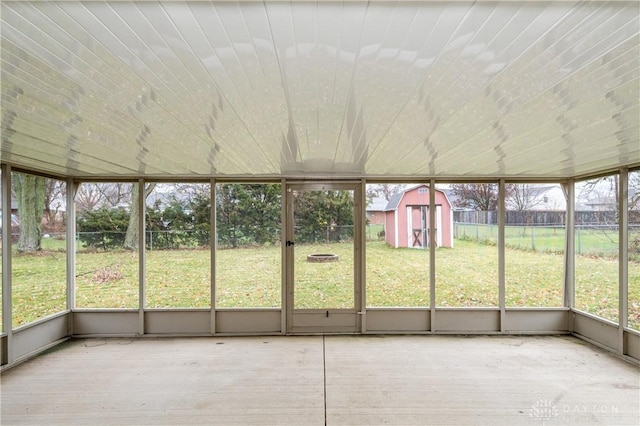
[397,234]
[107,246]
[178,270]
[248,254]
[39,248]
[467,273]
[534,244]
[596,242]
[634,250]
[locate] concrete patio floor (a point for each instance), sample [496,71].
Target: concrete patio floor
[316,380]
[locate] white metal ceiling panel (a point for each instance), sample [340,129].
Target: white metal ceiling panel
[320,89]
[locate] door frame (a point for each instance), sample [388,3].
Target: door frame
[307,321]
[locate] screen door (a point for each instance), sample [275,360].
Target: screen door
[322,290]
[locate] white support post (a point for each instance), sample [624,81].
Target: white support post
[361,242]
[623,258]
[432,253]
[71,252]
[501,253]
[6,352]
[213,245]
[284,307]
[141,254]
[569,252]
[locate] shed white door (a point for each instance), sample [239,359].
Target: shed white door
[418,226]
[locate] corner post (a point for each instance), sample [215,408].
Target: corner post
[623,258]
[6,351]
[569,252]
[213,244]
[142,238]
[501,253]
[432,253]
[71,253]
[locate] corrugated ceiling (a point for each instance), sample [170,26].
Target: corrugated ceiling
[326,89]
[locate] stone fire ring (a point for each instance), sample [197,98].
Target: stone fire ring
[321,258]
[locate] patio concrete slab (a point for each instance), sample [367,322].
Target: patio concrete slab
[481,380]
[316,380]
[236,380]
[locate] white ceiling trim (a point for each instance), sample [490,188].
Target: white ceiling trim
[320,89]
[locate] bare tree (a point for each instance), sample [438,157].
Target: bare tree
[117,193]
[601,193]
[634,190]
[91,196]
[88,197]
[385,190]
[476,196]
[54,193]
[133,230]
[522,197]
[30,194]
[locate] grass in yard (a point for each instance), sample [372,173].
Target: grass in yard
[38,285]
[178,279]
[543,239]
[634,295]
[397,277]
[467,275]
[596,282]
[589,242]
[533,279]
[324,285]
[107,279]
[250,277]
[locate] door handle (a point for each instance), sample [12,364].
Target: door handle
[290,243]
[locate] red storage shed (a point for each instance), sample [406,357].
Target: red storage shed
[407,219]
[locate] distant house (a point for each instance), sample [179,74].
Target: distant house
[376,211]
[601,203]
[407,219]
[541,198]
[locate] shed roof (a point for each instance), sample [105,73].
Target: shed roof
[395,200]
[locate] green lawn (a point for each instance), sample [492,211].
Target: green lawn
[251,277]
[589,242]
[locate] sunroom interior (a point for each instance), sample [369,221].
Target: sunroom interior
[216,103]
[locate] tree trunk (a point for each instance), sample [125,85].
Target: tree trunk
[29,191]
[133,229]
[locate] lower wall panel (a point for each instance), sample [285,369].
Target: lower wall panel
[378,320]
[397,320]
[105,322]
[596,329]
[254,322]
[33,338]
[541,321]
[177,322]
[467,320]
[3,349]
[632,343]
[314,319]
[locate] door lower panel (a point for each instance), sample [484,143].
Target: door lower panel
[333,321]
